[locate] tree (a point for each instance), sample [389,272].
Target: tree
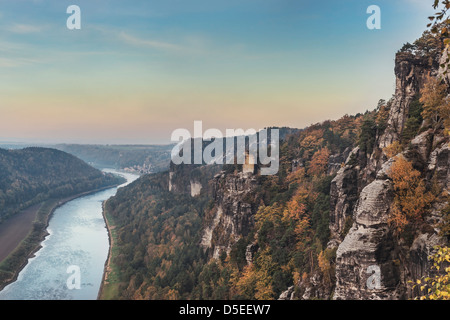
[436,106]
[393,149]
[413,122]
[437,287]
[367,135]
[325,266]
[256,280]
[411,198]
[444,226]
[440,20]
[319,162]
[382,117]
[295,208]
[245,284]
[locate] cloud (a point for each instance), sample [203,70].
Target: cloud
[25,28]
[16,62]
[145,43]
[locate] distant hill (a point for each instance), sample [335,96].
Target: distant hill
[32,175]
[137,158]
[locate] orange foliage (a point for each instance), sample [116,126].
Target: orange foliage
[255,280]
[311,140]
[319,162]
[411,198]
[303,232]
[296,176]
[296,207]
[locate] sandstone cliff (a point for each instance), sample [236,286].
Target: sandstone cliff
[371,249]
[233,213]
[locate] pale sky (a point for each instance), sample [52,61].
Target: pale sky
[137,70]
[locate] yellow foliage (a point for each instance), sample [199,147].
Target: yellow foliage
[437,287]
[296,207]
[246,284]
[324,266]
[296,276]
[303,233]
[268,213]
[393,149]
[296,176]
[257,282]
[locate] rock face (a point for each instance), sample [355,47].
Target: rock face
[371,261]
[196,187]
[370,251]
[410,72]
[233,214]
[287,295]
[191,179]
[368,246]
[343,195]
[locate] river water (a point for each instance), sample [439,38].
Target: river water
[77,241]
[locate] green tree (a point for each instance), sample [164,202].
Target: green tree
[368,135]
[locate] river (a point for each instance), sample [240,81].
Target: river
[70,264]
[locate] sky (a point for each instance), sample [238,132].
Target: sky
[137,70]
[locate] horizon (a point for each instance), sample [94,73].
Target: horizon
[135,73]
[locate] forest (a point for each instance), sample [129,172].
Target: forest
[159,231]
[32,175]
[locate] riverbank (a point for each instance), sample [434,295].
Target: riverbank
[105,291]
[108,286]
[18,258]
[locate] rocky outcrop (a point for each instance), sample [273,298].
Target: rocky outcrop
[372,262]
[336,161]
[196,188]
[343,194]
[233,214]
[368,246]
[371,245]
[191,179]
[288,294]
[410,71]
[250,251]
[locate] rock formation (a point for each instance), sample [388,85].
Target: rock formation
[233,214]
[370,250]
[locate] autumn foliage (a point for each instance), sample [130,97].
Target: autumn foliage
[319,162]
[437,286]
[436,105]
[393,149]
[411,198]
